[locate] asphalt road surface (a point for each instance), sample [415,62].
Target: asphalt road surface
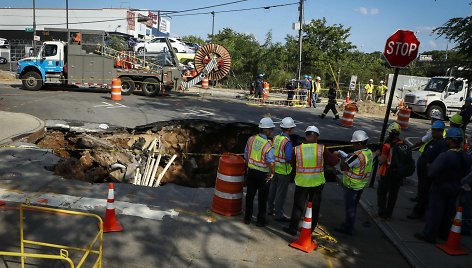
[86,105]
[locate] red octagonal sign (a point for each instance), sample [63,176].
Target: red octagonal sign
[401,48]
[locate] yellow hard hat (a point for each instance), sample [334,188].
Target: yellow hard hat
[456,119]
[394,127]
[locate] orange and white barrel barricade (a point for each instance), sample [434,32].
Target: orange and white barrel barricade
[403,117]
[205,83]
[347,120]
[116,89]
[228,197]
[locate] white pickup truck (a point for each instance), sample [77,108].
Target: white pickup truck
[442,93]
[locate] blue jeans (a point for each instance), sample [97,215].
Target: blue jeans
[314,99]
[351,199]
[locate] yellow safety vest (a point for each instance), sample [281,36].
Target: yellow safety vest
[281,165]
[258,148]
[318,87]
[381,89]
[423,146]
[358,177]
[310,165]
[369,88]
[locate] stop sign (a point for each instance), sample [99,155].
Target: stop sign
[401,48]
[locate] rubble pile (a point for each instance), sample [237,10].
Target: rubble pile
[192,147]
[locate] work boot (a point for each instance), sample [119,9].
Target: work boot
[336,117]
[322,116]
[290,231]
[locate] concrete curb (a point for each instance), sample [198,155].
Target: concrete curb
[15,127]
[390,233]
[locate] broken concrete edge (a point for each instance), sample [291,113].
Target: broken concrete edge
[394,238]
[82,126]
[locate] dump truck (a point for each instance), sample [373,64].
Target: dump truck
[81,58]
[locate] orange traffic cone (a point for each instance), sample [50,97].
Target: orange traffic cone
[304,241]
[111,223]
[348,97]
[453,244]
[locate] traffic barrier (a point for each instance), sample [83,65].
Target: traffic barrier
[403,117]
[228,196]
[94,248]
[116,89]
[453,244]
[205,83]
[111,223]
[347,120]
[304,242]
[348,97]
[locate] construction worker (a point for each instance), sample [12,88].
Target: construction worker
[356,169]
[369,89]
[309,159]
[432,149]
[259,86]
[305,88]
[310,91]
[331,103]
[447,170]
[259,156]
[390,180]
[283,150]
[291,87]
[420,145]
[381,91]
[317,91]
[466,113]
[456,121]
[466,199]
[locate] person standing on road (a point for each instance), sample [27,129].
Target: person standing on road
[316,90]
[331,103]
[291,87]
[305,88]
[283,150]
[395,157]
[447,169]
[381,91]
[466,113]
[432,149]
[259,156]
[369,90]
[310,159]
[259,86]
[457,121]
[356,170]
[310,91]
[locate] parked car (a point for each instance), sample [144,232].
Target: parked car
[3,60]
[193,46]
[158,44]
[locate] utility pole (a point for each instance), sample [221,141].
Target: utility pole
[213,25]
[67,14]
[158,22]
[34,26]
[300,32]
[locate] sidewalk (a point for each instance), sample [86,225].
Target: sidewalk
[18,125]
[401,230]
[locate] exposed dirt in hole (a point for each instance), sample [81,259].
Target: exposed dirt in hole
[197,144]
[89,157]
[372,108]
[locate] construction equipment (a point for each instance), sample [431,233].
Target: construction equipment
[90,63]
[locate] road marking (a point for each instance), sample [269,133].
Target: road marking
[85,203]
[330,263]
[279,120]
[198,112]
[110,105]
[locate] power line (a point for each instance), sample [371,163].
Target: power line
[237,10]
[168,12]
[57,23]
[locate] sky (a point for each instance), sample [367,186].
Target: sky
[371,21]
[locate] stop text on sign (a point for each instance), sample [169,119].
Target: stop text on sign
[400,48]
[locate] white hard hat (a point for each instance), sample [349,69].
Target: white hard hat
[381,81]
[371,80]
[318,78]
[266,122]
[287,122]
[435,114]
[312,129]
[359,135]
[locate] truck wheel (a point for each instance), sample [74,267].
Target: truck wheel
[32,81]
[433,108]
[151,87]
[141,51]
[127,85]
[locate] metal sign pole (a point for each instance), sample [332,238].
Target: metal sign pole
[385,123]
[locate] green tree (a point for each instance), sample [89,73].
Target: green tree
[458,30]
[193,39]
